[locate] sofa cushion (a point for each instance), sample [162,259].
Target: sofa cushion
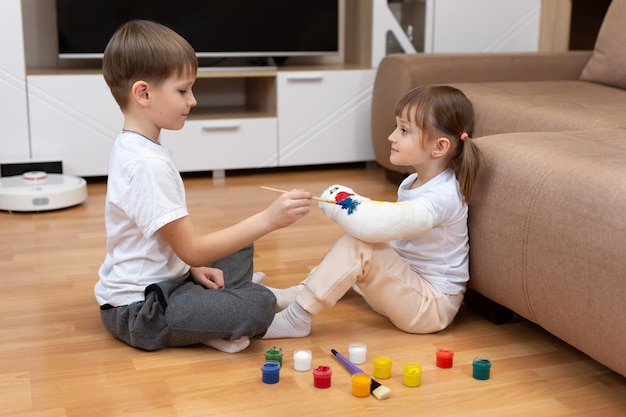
[550,106]
[607,64]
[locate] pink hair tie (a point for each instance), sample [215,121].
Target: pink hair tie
[463,136]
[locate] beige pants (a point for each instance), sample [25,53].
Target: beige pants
[384,280]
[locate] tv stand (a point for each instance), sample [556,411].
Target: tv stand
[237,64]
[251,113]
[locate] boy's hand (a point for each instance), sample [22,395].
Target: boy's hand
[289,207]
[210,278]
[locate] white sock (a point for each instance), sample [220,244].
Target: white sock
[229,346]
[294,321]
[258,277]
[285,296]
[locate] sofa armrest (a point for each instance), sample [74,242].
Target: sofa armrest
[398,73]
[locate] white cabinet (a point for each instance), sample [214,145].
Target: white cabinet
[59,111]
[301,117]
[209,145]
[14,145]
[232,127]
[324,116]
[74,119]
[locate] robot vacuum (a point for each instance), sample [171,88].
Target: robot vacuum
[40,191]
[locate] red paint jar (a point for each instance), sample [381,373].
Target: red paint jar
[321,376]
[444,357]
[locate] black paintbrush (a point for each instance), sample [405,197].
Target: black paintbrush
[377,389]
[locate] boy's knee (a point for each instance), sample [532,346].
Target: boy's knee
[266,300]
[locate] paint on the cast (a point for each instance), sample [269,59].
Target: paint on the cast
[346,202]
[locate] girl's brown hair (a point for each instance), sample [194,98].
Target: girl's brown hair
[145,50]
[444,111]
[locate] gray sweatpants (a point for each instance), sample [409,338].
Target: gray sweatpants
[179,312]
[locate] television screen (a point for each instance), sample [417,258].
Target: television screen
[215,28]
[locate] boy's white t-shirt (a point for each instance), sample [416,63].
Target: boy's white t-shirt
[144,192]
[440,255]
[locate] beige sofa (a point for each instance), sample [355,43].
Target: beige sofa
[548,217]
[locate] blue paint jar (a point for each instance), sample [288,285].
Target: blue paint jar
[270,371]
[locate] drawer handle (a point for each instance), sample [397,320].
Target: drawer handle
[304,78]
[221,126]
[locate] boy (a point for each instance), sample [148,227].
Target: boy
[154,291]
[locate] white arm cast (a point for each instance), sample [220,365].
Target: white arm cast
[375,221]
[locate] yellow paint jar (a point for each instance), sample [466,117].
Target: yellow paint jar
[382,367]
[412,375]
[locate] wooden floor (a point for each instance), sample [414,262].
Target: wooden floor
[57,360]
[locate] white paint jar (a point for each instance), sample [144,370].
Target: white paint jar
[357,352]
[302,360]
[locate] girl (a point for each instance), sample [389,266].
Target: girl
[409,259]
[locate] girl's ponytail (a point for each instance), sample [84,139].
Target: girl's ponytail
[466,166]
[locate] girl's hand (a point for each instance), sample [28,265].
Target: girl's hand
[210,278]
[289,207]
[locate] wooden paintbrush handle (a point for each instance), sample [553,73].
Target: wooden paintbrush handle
[278,190]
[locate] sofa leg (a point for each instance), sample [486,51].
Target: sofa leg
[491,310]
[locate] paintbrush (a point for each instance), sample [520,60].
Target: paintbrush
[278,190]
[377,389]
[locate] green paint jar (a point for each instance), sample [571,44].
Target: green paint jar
[274,354]
[481,368]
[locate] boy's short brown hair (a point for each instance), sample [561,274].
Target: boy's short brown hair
[144,50]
